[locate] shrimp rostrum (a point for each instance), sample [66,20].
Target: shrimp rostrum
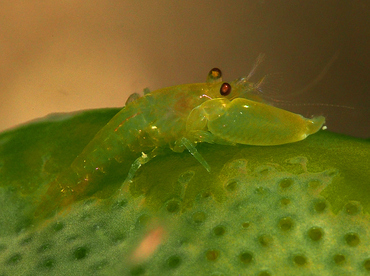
[177,117]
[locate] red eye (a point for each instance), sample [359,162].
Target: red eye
[225,89]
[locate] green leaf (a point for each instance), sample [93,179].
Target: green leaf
[295,209]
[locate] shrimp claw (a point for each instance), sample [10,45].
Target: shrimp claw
[248,122]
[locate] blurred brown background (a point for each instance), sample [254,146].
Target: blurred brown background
[62,56]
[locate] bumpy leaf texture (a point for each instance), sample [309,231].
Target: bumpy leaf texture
[296,209]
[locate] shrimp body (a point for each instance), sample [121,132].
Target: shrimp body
[177,117]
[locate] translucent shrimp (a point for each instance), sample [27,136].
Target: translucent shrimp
[177,117]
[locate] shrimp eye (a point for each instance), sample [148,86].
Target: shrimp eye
[225,89]
[214,76]
[215,73]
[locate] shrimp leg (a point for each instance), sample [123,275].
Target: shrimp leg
[183,143]
[191,148]
[143,159]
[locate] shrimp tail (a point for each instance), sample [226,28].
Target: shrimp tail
[56,197]
[49,204]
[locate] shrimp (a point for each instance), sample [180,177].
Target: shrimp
[177,117]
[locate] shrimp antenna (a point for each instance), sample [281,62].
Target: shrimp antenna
[259,85]
[266,81]
[319,77]
[288,103]
[259,60]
